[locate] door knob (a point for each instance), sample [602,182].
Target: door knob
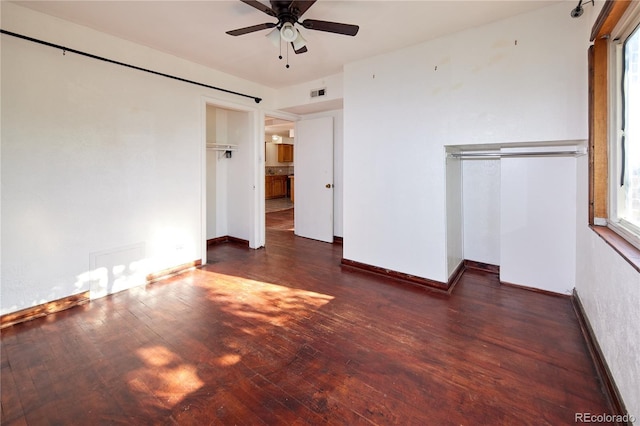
[328,185]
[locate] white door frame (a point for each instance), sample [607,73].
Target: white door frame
[261,167]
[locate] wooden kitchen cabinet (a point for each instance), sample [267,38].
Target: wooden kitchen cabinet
[285,153]
[268,187]
[275,186]
[291,187]
[280,186]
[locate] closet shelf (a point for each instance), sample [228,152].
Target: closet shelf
[222,147]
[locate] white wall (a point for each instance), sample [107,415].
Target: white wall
[537,222]
[609,289]
[241,174]
[102,166]
[299,95]
[476,86]
[455,239]
[481,210]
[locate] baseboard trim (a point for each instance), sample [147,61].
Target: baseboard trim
[495,269]
[170,272]
[74,300]
[602,368]
[217,240]
[401,276]
[227,239]
[535,290]
[455,277]
[44,309]
[481,266]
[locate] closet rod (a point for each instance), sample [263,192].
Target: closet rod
[123,64]
[515,154]
[218,147]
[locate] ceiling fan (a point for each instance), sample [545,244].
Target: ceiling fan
[288,14]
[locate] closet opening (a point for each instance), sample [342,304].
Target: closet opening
[512,208]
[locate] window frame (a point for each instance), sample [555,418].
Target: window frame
[613,12]
[627,25]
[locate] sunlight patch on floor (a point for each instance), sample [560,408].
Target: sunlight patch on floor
[268,302]
[164,376]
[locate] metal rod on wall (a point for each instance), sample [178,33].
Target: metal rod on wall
[515,154]
[111,61]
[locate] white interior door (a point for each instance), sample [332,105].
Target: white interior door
[313,159]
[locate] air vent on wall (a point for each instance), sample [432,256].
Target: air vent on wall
[319,92]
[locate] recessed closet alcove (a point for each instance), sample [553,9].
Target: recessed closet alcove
[514,206]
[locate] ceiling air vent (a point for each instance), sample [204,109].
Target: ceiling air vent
[319,92]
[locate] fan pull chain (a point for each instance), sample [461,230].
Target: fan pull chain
[280,55]
[287,66]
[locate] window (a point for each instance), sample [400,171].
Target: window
[614,108]
[624,174]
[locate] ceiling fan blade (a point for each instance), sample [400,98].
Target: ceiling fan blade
[247,30]
[303,49]
[299,7]
[330,27]
[261,7]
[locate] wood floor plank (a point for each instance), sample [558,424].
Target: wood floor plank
[9,398]
[284,335]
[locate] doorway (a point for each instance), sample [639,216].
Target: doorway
[310,186]
[230,148]
[279,174]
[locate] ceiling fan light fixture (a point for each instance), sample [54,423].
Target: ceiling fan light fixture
[299,42]
[274,37]
[288,13]
[288,32]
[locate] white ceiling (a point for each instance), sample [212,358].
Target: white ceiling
[195,30]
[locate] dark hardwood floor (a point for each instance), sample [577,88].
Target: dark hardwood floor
[284,335]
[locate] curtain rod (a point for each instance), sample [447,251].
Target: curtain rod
[515,154]
[111,61]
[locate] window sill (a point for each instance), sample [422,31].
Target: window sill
[624,248]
